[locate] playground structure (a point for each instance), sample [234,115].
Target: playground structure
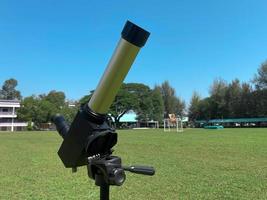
[173,123]
[148,124]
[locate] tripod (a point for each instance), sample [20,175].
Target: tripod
[96,154]
[107,171]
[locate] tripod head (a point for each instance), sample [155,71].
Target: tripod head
[88,135]
[89,139]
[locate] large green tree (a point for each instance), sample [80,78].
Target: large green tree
[57,98]
[193,110]
[37,110]
[179,107]
[149,103]
[168,95]
[69,113]
[259,99]
[9,91]
[40,109]
[246,102]
[233,100]
[217,100]
[146,103]
[29,109]
[157,104]
[205,108]
[125,100]
[260,78]
[172,104]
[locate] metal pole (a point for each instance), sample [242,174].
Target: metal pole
[104,192]
[177,125]
[133,38]
[12,120]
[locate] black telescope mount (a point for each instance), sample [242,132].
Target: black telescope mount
[89,142]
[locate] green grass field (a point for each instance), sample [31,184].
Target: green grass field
[195,164]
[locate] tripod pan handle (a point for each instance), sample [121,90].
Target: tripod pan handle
[145,170]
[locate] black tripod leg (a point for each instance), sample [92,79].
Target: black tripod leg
[104,191]
[104,187]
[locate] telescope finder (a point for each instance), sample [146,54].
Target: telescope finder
[132,39]
[61,125]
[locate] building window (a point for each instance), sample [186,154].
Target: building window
[5,120]
[4,109]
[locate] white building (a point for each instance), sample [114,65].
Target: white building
[8,121]
[130,120]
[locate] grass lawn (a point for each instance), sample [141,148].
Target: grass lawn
[195,164]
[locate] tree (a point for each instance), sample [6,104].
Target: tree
[40,109]
[246,102]
[9,91]
[57,98]
[146,103]
[60,105]
[168,95]
[69,113]
[259,99]
[205,109]
[85,99]
[217,102]
[179,107]
[29,109]
[125,100]
[144,106]
[37,110]
[233,99]
[45,111]
[172,104]
[260,78]
[193,110]
[157,104]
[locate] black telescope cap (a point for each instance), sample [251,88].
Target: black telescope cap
[134,34]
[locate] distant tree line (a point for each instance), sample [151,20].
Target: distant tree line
[226,100]
[148,104]
[232,100]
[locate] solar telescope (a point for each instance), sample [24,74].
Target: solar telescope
[89,139]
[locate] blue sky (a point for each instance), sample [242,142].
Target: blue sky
[65,45]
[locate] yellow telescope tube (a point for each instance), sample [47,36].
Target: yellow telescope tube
[133,38]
